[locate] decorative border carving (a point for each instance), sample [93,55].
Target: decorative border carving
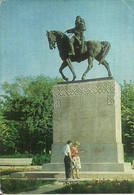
[83,88]
[110,99]
[57,103]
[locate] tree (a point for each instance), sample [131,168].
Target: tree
[28,106]
[127,111]
[8,133]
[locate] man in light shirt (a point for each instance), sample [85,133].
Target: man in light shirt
[67,159]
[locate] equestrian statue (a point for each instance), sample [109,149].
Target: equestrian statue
[76,49]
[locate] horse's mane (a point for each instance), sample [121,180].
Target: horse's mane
[56,32]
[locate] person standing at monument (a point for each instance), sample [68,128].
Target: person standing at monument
[76,160]
[67,159]
[78,35]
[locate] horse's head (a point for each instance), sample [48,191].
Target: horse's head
[51,39]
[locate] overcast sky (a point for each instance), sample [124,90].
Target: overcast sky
[24,46]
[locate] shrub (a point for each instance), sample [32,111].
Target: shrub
[17,155]
[40,159]
[128,158]
[9,185]
[97,187]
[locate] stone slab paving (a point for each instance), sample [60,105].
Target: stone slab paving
[87,175]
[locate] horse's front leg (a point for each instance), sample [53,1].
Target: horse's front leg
[90,65]
[104,62]
[71,68]
[63,65]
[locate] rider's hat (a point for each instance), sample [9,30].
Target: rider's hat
[78,18]
[82,20]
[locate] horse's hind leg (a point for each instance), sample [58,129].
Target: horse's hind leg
[104,62]
[90,65]
[63,65]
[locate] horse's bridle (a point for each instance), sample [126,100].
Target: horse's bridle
[51,40]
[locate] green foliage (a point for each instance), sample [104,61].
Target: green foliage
[38,159]
[128,158]
[97,187]
[26,123]
[13,186]
[18,155]
[127,112]
[41,159]
[26,115]
[8,133]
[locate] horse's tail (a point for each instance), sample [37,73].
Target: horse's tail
[105,49]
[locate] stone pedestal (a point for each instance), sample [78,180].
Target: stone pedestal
[89,112]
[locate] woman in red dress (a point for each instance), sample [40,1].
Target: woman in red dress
[76,160]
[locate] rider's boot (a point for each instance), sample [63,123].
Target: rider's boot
[83,48]
[71,52]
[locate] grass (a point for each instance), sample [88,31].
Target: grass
[14,186]
[97,187]
[7,170]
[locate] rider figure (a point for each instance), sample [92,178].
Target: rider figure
[78,34]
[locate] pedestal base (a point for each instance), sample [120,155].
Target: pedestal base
[91,167]
[89,112]
[53,175]
[93,153]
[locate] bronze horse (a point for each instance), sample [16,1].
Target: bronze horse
[94,50]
